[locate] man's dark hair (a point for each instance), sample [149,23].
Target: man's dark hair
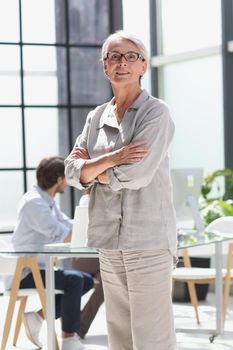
[48,170]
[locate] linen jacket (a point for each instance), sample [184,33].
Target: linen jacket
[135,211]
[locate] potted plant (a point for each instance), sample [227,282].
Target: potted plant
[217,195]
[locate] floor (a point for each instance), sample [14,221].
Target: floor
[184,317]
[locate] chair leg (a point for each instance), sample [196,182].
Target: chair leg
[9,316]
[21,310]
[194,300]
[41,290]
[11,305]
[21,263]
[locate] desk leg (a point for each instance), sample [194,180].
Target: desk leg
[50,302]
[219,288]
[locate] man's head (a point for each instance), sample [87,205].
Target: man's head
[51,173]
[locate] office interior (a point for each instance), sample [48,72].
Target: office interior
[51,77]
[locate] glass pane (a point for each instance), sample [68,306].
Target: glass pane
[131,25]
[40,65]
[64,148]
[31,179]
[11,154]
[89,21]
[38,18]
[62,75]
[141,14]
[88,83]
[41,125]
[9,75]
[79,116]
[39,59]
[11,190]
[193,91]
[65,202]
[60,21]
[9,20]
[9,59]
[185,21]
[10,89]
[40,90]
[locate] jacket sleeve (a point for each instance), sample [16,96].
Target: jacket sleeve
[73,166]
[157,128]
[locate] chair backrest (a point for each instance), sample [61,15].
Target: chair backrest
[221,226]
[7,263]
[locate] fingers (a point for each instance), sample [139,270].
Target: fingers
[135,150]
[131,153]
[136,147]
[138,150]
[136,157]
[79,152]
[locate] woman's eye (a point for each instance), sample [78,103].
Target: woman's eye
[132,57]
[115,57]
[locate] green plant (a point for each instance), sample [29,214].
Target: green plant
[216,200]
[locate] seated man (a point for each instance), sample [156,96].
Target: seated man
[40,221]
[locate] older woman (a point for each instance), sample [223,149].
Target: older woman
[122,155]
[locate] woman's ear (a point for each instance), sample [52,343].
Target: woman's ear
[144,68]
[105,69]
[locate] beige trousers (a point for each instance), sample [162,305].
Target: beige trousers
[137,292]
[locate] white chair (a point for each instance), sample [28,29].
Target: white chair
[13,266]
[192,275]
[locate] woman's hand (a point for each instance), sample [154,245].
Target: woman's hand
[103,178]
[132,153]
[79,152]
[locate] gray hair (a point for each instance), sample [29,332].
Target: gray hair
[121,35]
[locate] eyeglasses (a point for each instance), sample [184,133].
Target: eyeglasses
[130,56]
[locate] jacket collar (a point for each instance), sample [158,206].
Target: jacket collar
[108,116]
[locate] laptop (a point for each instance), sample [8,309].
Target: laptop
[80,226]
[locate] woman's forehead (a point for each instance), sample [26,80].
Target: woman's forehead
[122,44]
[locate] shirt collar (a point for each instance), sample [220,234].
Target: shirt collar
[108,117]
[139,100]
[45,196]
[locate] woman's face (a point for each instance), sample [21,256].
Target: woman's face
[122,71]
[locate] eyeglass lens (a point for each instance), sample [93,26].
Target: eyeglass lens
[129,56]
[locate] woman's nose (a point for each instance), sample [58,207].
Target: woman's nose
[122,60]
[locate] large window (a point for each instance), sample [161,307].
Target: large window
[136,21]
[50,77]
[189,63]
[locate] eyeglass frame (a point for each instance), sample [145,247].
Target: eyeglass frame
[123,55]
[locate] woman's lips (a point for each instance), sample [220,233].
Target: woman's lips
[122,73]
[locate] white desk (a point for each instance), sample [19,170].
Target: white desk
[61,251]
[205,239]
